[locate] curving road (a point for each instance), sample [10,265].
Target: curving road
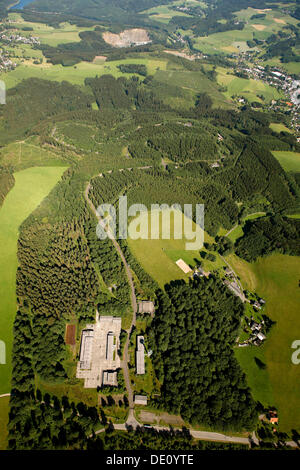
[125,360]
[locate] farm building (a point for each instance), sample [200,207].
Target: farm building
[140,355]
[183,266]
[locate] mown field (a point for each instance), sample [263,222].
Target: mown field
[275,278]
[290,161]
[31,187]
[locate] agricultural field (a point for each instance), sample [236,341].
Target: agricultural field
[236,41]
[275,278]
[31,187]
[290,161]
[64,34]
[249,89]
[164,13]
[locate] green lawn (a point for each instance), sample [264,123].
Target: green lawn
[276,279]
[31,187]
[4,409]
[290,161]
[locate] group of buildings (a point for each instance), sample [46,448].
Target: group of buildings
[99,360]
[278,79]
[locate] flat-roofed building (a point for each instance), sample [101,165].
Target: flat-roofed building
[110,346]
[86,348]
[140,355]
[140,399]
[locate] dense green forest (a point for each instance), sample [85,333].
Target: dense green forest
[192,336]
[268,235]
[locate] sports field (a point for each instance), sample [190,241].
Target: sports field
[31,187]
[276,279]
[290,161]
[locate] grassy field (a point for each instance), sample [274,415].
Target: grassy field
[4,410]
[248,88]
[290,161]
[25,154]
[158,257]
[31,187]
[237,232]
[63,34]
[77,74]
[278,127]
[193,81]
[275,278]
[236,41]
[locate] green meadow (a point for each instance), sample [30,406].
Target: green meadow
[247,88]
[290,161]
[278,127]
[158,256]
[236,41]
[78,73]
[4,410]
[31,187]
[62,34]
[275,278]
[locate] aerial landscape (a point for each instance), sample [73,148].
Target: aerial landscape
[150,225]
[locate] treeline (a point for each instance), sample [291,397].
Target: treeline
[123,93]
[192,336]
[55,280]
[36,100]
[140,69]
[268,235]
[7,181]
